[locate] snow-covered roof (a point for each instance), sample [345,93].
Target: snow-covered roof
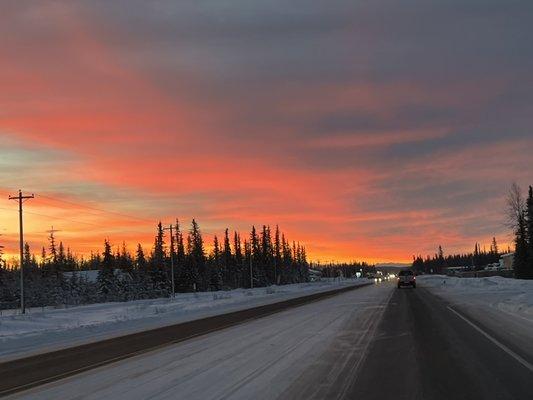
[90,275]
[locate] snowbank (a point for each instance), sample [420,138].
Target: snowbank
[503,306]
[46,329]
[514,296]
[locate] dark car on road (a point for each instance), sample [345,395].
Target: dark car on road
[406,278]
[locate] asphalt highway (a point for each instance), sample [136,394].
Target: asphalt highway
[422,349]
[426,349]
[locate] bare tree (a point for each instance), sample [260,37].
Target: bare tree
[516,206]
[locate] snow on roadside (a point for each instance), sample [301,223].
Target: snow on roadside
[48,329]
[512,296]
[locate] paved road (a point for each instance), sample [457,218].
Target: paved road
[373,343]
[424,350]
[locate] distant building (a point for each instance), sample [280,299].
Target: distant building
[314,275]
[91,276]
[506,261]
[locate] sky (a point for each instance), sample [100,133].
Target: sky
[369,130]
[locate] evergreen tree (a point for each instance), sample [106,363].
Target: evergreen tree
[140,259]
[158,255]
[267,256]
[52,250]
[529,231]
[107,285]
[237,248]
[43,257]
[71,263]
[27,258]
[248,265]
[2,262]
[494,247]
[441,263]
[255,254]
[125,260]
[215,268]
[518,211]
[158,266]
[228,269]
[61,259]
[180,248]
[180,253]
[239,260]
[277,256]
[520,261]
[195,273]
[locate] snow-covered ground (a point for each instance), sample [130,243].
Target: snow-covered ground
[48,329]
[512,296]
[280,356]
[504,305]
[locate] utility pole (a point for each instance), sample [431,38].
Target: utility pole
[20,198]
[171,258]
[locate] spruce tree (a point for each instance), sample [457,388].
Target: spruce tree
[180,253]
[228,269]
[125,259]
[494,247]
[27,256]
[520,261]
[140,259]
[158,255]
[107,287]
[255,252]
[267,256]
[529,232]
[61,258]
[195,274]
[239,261]
[277,257]
[158,265]
[52,250]
[215,279]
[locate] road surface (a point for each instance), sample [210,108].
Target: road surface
[376,342]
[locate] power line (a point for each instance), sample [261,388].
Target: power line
[63,218]
[97,209]
[53,217]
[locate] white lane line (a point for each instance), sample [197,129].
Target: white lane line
[521,360]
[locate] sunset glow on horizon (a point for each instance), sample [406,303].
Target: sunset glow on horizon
[360,143]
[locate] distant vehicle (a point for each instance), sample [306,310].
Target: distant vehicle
[406,278]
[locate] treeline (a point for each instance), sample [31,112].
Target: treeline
[347,270]
[520,213]
[475,260]
[519,219]
[261,259]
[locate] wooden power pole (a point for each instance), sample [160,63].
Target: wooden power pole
[20,198]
